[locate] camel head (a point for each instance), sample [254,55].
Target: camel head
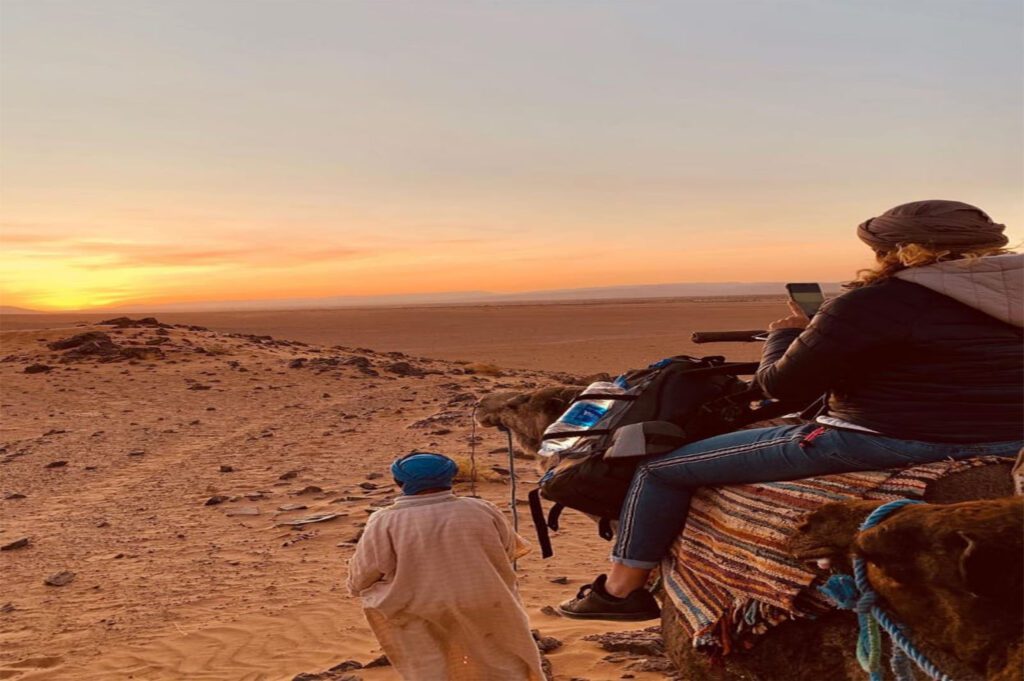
[527,415]
[952,573]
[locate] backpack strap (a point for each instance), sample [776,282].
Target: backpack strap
[537,513]
[554,514]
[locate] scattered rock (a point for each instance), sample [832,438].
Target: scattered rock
[38,369]
[102,523]
[545,643]
[16,544]
[292,507]
[60,579]
[316,518]
[14,495]
[7,607]
[227,469]
[215,499]
[288,475]
[80,339]
[550,611]
[559,580]
[136,452]
[374,476]
[404,369]
[309,489]
[297,363]
[367,485]
[198,386]
[646,642]
[56,464]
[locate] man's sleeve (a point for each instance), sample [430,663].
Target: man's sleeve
[796,366]
[374,558]
[515,546]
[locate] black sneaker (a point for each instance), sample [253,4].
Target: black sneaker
[594,603]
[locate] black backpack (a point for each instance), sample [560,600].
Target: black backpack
[670,403]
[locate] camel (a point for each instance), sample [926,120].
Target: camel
[526,414]
[951,573]
[798,650]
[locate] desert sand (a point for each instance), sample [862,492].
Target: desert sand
[167,584]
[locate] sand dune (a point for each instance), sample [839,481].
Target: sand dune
[167,587]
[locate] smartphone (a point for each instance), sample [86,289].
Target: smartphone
[808,297]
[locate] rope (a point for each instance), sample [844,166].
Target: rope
[512,492]
[472,453]
[855,593]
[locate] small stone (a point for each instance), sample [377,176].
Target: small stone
[16,544]
[559,580]
[14,495]
[102,523]
[288,475]
[56,464]
[374,475]
[309,489]
[292,507]
[545,643]
[215,499]
[198,386]
[60,579]
[136,452]
[367,485]
[6,608]
[38,369]
[227,469]
[550,611]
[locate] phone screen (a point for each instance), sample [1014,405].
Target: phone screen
[807,296]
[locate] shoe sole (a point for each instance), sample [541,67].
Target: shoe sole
[614,617]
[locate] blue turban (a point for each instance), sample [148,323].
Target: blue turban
[422,471]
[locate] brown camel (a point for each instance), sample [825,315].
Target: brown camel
[799,650]
[954,574]
[526,414]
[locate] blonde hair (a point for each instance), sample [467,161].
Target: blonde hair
[905,256]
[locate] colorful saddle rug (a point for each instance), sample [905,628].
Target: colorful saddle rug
[729,574]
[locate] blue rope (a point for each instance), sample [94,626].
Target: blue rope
[855,593]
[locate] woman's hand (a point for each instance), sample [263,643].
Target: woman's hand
[796,320]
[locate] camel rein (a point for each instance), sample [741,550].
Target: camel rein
[855,593]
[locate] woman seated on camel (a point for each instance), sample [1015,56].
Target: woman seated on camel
[922,360]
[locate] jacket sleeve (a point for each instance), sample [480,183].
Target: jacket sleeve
[842,336]
[374,558]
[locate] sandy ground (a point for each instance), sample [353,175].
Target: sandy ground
[166,587]
[580,337]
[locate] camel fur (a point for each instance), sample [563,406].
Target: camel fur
[951,573]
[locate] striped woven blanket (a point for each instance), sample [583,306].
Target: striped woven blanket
[729,573]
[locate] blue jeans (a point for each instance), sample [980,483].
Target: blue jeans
[659,497]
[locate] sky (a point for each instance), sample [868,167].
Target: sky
[179,151]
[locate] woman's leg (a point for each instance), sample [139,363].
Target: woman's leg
[659,498]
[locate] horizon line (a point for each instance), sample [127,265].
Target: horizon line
[582,294]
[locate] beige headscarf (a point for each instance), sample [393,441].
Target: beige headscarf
[954,225]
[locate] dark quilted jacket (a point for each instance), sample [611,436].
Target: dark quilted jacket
[907,362]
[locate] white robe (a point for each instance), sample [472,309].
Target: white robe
[435,576]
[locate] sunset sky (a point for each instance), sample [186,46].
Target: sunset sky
[184,150]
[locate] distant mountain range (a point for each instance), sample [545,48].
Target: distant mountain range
[678,290]
[10,309]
